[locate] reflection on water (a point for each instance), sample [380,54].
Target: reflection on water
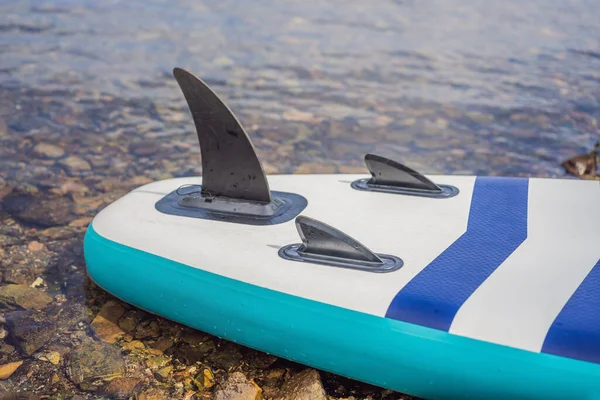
[89,110]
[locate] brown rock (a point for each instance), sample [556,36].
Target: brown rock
[122,388]
[205,379]
[30,331]
[305,385]
[238,387]
[74,164]
[48,150]
[6,370]
[147,329]
[105,324]
[130,319]
[23,296]
[133,345]
[162,344]
[45,211]
[153,394]
[157,362]
[35,246]
[164,372]
[143,148]
[92,362]
[81,222]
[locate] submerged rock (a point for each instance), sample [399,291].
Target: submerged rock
[305,385]
[105,324]
[147,330]
[48,150]
[122,388]
[153,394]
[39,210]
[92,363]
[75,165]
[23,296]
[238,387]
[30,330]
[227,356]
[6,370]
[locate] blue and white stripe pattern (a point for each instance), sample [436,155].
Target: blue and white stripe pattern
[524,274]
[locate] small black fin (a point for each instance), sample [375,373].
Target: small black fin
[321,239]
[391,173]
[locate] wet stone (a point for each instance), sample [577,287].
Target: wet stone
[238,387]
[162,344]
[227,356]
[70,314]
[157,361]
[23,296]
[194,337]
[305,385]
[153,394]
[39,210]
[130,320]
[22,266]
[6,370]
[29,330]
[48,150]
[75,165]
[105,323]
[190,354]
[143,148]
[92,363]
[147,330]
[122,388]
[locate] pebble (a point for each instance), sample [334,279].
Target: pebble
[92,362]
[205,379]
[122,388]
[143,148]
[30,331]
[153,394]
[52,356]
[48,150]
[147,329]
[130,320]
[157,362]
[133,345]
[238,387]
[105,323]
[24,296]
[39,210]
[6,370]
[37,283]
[35,246]
[162,344]
[164,372]
[81,222]
[74,165]
[305,385]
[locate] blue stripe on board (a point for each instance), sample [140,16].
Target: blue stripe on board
[575,333]
[497,226]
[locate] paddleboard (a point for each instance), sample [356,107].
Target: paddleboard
[442,287]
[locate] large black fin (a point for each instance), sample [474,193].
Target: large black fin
[230,166]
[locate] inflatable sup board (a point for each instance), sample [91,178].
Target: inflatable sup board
[442,287]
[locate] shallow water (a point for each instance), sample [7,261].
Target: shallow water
[445,86]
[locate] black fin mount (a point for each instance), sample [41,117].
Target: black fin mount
[234,185]
[390,176]
[324,244]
